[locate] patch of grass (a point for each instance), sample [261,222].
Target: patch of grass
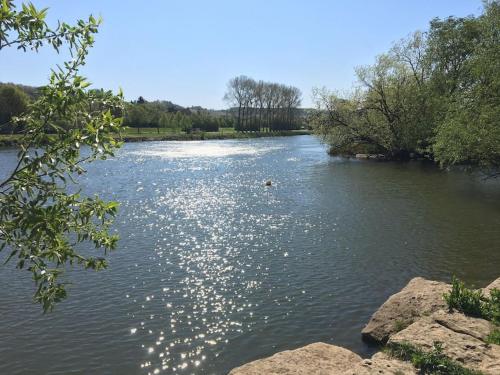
[494,337]
[473,302]
[401,324]
[470,302]
[432,362]
[493,306]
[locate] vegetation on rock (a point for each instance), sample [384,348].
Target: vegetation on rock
[474,302]
[431,362]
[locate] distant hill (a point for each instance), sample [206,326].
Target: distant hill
[163,105]
[32,91]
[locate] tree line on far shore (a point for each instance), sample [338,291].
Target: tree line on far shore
[166,115]
[434,94]
[162,115]
[263,106]
[255,106]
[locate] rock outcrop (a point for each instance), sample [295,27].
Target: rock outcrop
[382,364]
[417,316]
[370,156]
[458,322]
[458,336]
[419,298]
[494,285]
[318,358]
[324,359]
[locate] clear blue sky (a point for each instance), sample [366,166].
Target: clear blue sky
[186,50]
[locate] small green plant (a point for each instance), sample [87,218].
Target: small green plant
[474,303]
[400,324]
[493,307]
[470,302]
[433,362]
[494,337]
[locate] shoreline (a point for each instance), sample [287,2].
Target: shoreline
[212,136]
[416,332]
[13,140]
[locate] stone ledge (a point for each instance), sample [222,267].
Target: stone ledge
[314,359]
[418,298]
[417,315]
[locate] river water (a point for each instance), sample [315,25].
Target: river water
[214,269]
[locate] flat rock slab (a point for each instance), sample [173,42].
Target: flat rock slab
[465,349]
[460,323]
[382,364]
[314,359]
[419,298]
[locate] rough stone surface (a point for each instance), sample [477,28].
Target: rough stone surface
[314,359]
[419,298]
[494,284]
[381,363]
[467,350]
[417,315]
[475,327]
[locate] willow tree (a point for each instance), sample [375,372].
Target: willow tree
[41,221]
[466,55]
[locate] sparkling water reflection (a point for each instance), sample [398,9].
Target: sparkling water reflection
[215,268]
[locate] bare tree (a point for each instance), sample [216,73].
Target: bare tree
[263,105]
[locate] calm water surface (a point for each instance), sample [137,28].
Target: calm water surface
[214,269]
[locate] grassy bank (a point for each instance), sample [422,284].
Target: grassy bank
[152,134]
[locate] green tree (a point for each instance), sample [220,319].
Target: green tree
[470,130]
[13,102]
[344,125]
[41,221]
[436,93]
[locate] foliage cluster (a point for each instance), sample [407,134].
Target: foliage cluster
[494,337]
[41,220]
[435,93]
[474,302]
[139,114]
[166,115]
[13,102]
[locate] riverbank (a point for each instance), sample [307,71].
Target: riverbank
[210,135]
[418,334]
[13,140]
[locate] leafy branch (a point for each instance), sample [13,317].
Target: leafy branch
[41,221]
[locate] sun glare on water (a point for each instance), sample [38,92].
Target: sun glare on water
[201,149]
